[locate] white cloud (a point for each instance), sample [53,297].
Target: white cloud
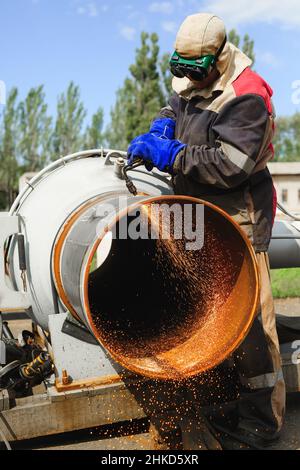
[161,7]
[169,26]
[138,18]
[90,10]
[127,32]
[287,12]
[268,58]
[133,15]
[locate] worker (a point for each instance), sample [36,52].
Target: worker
[215,138]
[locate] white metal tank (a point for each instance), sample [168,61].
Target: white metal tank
[51,198]
[61,214]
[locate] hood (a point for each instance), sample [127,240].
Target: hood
[231,63]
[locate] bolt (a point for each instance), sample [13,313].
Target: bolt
[65,377]
[118,167]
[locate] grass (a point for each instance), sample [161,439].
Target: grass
[94,263]
[285,283]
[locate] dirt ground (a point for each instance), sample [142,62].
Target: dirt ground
[140,439]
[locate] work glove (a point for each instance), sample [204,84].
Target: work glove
[163,128]
[156,152]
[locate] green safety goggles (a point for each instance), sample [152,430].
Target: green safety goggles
[196,68]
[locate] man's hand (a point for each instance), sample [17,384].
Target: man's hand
[155,151]
[163,128]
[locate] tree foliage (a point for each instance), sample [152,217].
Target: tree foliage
[116,132]
[8,151]
[67,136]
[94,136]
[30,138]
[166,77]
[247,46]
[287,138]
[35,133]
[144,92]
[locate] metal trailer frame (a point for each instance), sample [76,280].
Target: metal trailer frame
[96,395]
[92,401]
[57,412]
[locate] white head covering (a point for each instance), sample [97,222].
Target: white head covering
[203,34]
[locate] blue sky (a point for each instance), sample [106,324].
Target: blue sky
[93,42]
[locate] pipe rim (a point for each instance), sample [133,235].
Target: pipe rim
[234,345]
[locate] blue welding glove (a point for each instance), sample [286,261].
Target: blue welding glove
[164,128]
[155,151]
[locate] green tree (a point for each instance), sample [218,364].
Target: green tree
[234,38]
[115,134]
[287,138]
[68,136]
[248,44]
[94,136]
[141,96]
[166,76]
[35,130]
[9,138]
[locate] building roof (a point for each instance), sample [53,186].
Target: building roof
[284,168]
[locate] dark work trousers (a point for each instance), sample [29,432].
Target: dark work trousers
[260,403]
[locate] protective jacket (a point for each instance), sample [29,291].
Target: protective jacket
[228,129]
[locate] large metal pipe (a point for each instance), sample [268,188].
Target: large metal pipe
[167,316]
[284,250]
[160,309]
[50,199]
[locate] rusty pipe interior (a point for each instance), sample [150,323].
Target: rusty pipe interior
[167,312]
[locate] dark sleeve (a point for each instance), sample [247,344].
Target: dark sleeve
[170,111]
[240,132]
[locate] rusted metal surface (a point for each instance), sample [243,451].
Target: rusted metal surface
[65,377]
[177,313]
[88,382]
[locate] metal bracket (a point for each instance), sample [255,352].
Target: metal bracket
[9,299]
[113,154]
